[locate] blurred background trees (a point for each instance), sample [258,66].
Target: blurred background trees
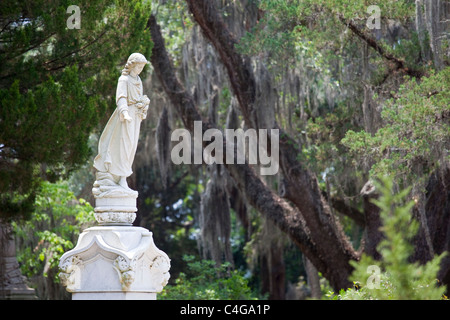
[353,103]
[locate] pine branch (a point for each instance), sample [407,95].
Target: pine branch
[371,42]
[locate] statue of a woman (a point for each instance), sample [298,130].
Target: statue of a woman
[118,142]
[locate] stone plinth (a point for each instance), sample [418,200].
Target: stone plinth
[114,205]
[115,263]
[12,283]
[115,211]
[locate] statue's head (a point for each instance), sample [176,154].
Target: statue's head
[135,60]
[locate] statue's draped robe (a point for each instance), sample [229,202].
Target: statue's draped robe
[118,142]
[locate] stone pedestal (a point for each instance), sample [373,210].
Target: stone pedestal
[12,282]
[115,261]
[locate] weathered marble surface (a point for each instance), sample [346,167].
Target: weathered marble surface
[115,262]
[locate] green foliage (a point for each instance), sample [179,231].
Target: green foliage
[326,132]
[314,29]
[56,84]
[415,132]
[170,212]
[54,225]
[175,22]
[206,281]
[394,277]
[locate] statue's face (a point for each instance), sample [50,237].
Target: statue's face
[138,68]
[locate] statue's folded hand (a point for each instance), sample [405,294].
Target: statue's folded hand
[145,100]
[127,117]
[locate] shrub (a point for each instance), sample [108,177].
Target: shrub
[394,277]
[205,280]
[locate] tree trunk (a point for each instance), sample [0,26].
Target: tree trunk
[432,17]
[273,274]
[420,28]
[372,219]
[437,212]
[312,278]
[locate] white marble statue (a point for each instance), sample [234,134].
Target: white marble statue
[116,260]
[118,142]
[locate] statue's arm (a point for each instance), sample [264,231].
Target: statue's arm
[122,105]
[122,99]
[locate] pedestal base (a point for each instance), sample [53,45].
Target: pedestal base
[115,262]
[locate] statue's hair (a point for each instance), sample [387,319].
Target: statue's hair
[132,60]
